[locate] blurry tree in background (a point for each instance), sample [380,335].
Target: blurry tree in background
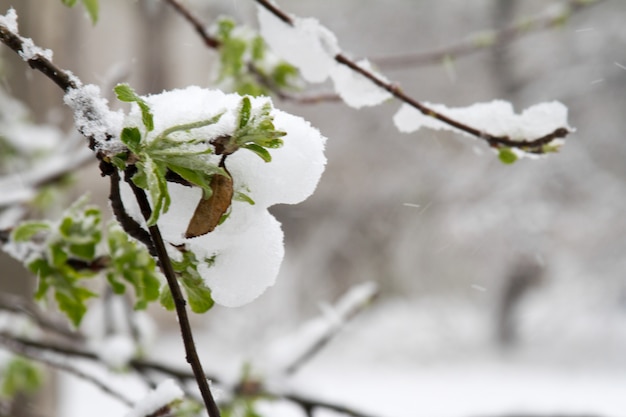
[470,255]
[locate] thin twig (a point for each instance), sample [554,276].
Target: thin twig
[548,19]
[179,301]
[62,78]
[529,145]
[14,345]
[20,305]
[197,24]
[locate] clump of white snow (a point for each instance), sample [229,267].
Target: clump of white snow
[242,256]
[9,20]
[164,394]
[29,49]
[92,116]
[496,118]
[307,44]
[356,90]
[116,350]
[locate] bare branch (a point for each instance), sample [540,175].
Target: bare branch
[20,305]
[551,18]
[16,346]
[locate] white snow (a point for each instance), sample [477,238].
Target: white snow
[116,350]
[30,50]
[496,118]
[10,20]
[248,247]
[165,393]
[92,116]
[307,44]
[356,90]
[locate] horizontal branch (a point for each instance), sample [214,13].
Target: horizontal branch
[26,350]
[550,18]
[534,145]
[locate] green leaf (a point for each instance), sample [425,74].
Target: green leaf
[259,150]
[20,376]
[258,48]
[198,294]
[25,231]
[131,137]
[166,298]
[507,156]
[69,3]
[126,94]
[132,263]
[72,302]
[239,196]
[92,9]
[244,112]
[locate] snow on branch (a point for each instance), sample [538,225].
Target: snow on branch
[162,396]
[291,353]
[291,36]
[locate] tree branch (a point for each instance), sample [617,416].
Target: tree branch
[38,62]
[16,346]
[550,18]
[528,145]
[179,301]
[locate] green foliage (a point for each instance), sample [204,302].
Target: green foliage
[126,94]
[19,376]
[165,153]
[246,63]
[70,246]
[131,262]
[91,6]
[198,294]
[255,131]
[507,156]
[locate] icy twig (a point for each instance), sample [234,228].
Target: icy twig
[551,18]
[39,62]
[314,335]
[531,145]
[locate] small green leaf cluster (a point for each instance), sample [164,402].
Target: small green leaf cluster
[198,294]
[69,250]
[131,263]
[19,376]
[255,131]
[248,65]
[91,6]
[66,253]
[154,158]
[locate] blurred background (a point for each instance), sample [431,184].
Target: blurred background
[503,288]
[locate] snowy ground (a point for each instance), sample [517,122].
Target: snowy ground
[430,358]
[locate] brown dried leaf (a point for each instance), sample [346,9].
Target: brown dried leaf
[209,211]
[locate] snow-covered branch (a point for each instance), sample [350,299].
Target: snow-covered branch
[290,36]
